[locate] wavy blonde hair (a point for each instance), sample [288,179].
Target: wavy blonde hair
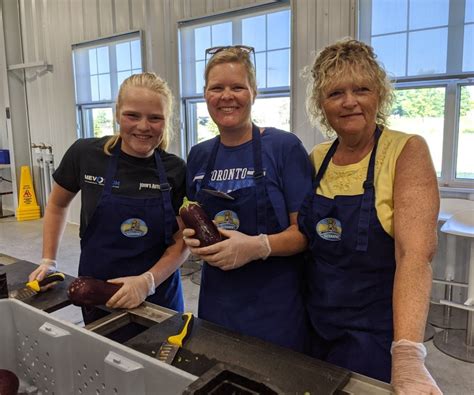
[233,55]
[156,84]
[345,56]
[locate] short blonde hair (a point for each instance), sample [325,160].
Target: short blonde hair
[346,55]
[156,84]
[233,55]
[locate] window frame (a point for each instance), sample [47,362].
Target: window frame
[187,102]
[83,130]
[451,81]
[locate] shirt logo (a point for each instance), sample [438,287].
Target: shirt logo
[329,229]
[134,227]
[227,219]
[99,180]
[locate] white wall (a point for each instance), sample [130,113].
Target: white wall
[49,28]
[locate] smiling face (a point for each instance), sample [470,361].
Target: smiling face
[229,97]
[142,120]
[350,105]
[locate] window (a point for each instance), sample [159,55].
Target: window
[100,67]
[268,31]
[429,55]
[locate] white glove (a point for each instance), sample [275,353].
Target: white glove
[133,292]
[409,374]
[188,238]
[45,267]
[236,250]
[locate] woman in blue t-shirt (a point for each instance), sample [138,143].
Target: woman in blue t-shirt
[251,181]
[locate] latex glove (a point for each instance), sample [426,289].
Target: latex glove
[188,238]
[45,267]
[236,250]
[409,374]
[133,292]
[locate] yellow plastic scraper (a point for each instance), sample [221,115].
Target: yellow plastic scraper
[33,287]
[169,349]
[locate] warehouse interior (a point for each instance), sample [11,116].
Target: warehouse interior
[47,102]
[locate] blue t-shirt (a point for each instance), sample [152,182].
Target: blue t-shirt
[285,162]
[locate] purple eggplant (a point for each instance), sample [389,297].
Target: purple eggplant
[9,382]
[89,291]
[195,217]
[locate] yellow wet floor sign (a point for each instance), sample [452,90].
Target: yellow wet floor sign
[27,206]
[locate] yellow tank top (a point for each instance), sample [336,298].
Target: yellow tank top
[347,180]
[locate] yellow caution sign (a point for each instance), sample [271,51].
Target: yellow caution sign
[27,206]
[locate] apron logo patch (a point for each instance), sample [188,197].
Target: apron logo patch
[227,219]
[329,229]
[134,227]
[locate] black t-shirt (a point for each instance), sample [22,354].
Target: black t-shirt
[84,165]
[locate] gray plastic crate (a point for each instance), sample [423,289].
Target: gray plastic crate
[54,357]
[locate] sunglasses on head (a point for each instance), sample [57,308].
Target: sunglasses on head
[243,48]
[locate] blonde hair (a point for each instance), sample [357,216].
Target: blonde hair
[156,84]
[346,56]
[233,55]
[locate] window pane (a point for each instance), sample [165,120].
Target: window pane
[278,30]
[468,52]
[421,111]
[424,58]
[94,88]
[103,59]
[254,32]
[222,34]
[272,111]
[136,55]
[391,51]
[398,16]
[102,121]
[93,61]
[278,68]
[469,12]
[206,128]
[104,87]
[122,75]
[465,149]
[199,76]
[202,41]
[261,60]
[122,53]
[421,18]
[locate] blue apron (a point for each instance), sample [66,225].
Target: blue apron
[127,236]
[350,277]
[263,298]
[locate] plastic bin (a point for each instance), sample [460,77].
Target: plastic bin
[50,356]
[4,157]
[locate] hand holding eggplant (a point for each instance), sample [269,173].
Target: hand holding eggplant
[133,292]
[235,251]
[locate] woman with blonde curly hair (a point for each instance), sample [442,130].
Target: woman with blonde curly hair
[371,224]
[131,190]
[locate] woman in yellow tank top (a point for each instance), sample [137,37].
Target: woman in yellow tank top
[371,225]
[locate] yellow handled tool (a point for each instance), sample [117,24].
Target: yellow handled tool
[33,287]
[169,349]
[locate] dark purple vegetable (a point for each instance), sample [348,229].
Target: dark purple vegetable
[89,291]
[9,382]
[195,217]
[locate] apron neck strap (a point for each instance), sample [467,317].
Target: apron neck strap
[258,175]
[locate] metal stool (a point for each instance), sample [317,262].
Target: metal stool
[443,316]
[459,343]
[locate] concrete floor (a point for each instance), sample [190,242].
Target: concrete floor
[22,240]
